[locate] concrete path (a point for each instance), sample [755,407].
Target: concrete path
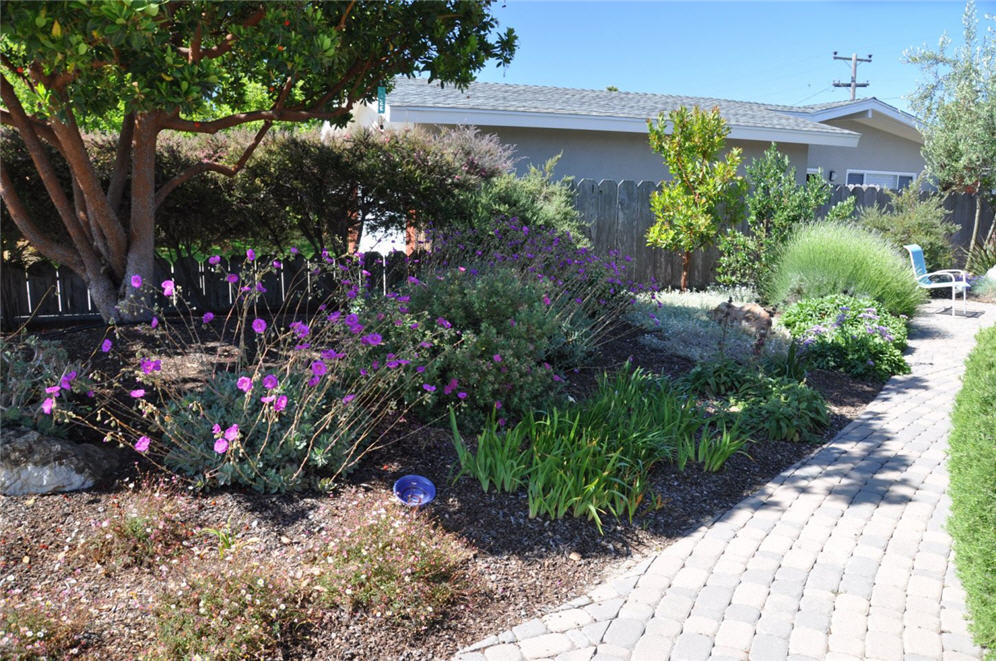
[842,556]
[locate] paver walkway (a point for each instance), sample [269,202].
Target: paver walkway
[842,556]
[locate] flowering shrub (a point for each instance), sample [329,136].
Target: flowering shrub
[39,387]
[852,335]
[779,409]
[147,527]
[235,609]
[394,564]
[41,626]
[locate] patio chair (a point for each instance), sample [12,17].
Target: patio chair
[956,279]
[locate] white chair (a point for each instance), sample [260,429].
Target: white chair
[956,279]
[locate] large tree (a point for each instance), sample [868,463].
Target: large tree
[957,104]
[196,67]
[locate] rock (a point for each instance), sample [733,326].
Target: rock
[34,464]
[991,273]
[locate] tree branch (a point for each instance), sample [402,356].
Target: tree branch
[178,124]
[226,43]
[40,240]
[42,130]
[195,45]
[122,162]
[345,15]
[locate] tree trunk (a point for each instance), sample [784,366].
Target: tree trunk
[686,262]
[975,225]
[141,240]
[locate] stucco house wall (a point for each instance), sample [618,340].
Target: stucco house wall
[877,150]
[610,154]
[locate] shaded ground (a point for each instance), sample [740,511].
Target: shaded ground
[521,566]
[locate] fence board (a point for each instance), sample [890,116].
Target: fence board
[43,289]
[606,225]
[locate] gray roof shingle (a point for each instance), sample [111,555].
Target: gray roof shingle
[596,103]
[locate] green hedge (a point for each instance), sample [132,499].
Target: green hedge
[972,465]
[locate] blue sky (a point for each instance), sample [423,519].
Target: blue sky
[775,52]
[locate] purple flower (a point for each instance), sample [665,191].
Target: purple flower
[300,329]
[373,339]
[462,395]
[259,325]
[348,398]
[232,433]
[267,398]
[277,264]
[318,368]
[220,445]
[168,288]
[142,444]
[214,259]
[428,388]
[136,281]
[48,405]
[154,322]
[208,317]
[137,393]
[251,255]
[260,288]
[150,366]
[412,280]
[232,278]
[546,300]
[53,390]
[106,345]
[450,387]
[280,404]
[497,405]
[66,383]
[442,322]
[244,384]
[496,358]
[294,250]
[314,381]
[270,382]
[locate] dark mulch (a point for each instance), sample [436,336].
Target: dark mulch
[521,566]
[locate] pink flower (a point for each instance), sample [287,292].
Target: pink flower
[48,405]
[53,390]
[214,259]
[372,340]
[497,405]
[294,250]
[66,383]
[270,382]
[348,398]
[142,444]
[232,433]
[244,384]
[155,322]
[106,345]
[232,278]
[168,288]
[150,366]
[259,325]
[314,381]
[281,403]
[136,281]
[318,368]
[208,317]
[546,300]
[250,254]
[138,393]
[496,358]
[277,264]
[216,430]
[220,445]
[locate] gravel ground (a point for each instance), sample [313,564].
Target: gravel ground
[521,567]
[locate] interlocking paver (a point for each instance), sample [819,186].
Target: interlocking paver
[843,556]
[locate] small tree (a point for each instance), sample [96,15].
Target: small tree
[776,203]
[196,67]
[957,104]
[703,193]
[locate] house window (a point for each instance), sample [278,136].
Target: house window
[894,180]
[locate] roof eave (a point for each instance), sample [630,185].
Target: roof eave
[513,118]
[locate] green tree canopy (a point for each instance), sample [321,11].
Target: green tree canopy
[703,193]
[198,67]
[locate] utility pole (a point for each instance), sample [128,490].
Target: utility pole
[854,84]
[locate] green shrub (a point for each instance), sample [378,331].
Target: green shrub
[395,565]
[775,204]
[985,287]
[718,378]
[238,608]
[780,409]
[826,258]
[972,464]
[981,257]
[36,376]
[912,220]
[851,335]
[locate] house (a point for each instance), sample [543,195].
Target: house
[603,134]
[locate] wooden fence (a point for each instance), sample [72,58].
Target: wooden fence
[617,214]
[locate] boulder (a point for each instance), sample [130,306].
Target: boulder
[991,273]
[31,463]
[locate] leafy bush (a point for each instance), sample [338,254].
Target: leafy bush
[718,378]
[235,609]
[848,334]
[395,565]
[39,388]
[146,529]
[533,198]
[984,287]
[775,204]
[780,409]
[914,220]
[972,464]
[827,258]
[982,257]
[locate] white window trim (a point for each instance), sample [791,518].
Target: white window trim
[879,172]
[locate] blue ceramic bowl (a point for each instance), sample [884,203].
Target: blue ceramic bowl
[414,490]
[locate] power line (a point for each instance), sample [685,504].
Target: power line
[825,89]
[854,84]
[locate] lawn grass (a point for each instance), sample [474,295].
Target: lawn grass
[972,465]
